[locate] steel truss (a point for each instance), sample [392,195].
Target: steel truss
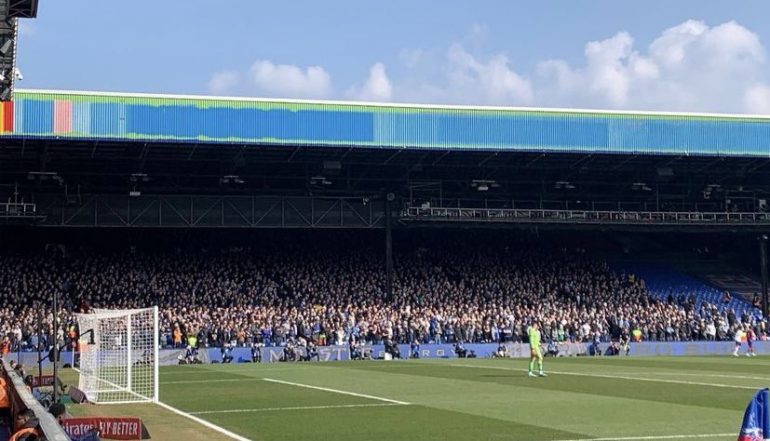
[211,211]
[232,211]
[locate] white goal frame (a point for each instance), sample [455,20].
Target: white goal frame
[119,355]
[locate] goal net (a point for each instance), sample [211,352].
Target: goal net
[118,355]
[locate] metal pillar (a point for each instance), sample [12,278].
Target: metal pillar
[39,347]
[763,263]
[55,345]
[388,251]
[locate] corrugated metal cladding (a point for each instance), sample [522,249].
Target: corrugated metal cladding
[126,117]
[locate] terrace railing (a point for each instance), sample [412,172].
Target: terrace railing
[545,216]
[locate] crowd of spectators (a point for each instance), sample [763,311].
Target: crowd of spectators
[331,293]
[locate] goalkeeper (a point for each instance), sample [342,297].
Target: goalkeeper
[536,354]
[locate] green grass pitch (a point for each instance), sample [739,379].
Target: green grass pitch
[461,399]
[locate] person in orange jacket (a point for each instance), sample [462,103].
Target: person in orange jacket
[5,401]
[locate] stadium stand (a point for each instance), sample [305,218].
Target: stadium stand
[662,281]
[473,288]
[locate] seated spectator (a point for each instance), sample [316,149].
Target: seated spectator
[501,352]
[5,346]
[226,351]
[59,411]
[290,353]
[29,381]
[256,353]
[26,427]
[460,350]
[414,349]
[595,346]
[391,348]
[312,352]
[552,349]
[5,403]
[613,349]
[355,350]
[190,356]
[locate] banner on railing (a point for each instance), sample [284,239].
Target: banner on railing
[109,428]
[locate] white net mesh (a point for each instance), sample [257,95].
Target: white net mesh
[119,365]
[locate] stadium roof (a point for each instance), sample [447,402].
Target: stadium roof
[22,8]
[92,116]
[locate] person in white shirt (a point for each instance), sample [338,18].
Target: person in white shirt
[711,331]
[738,338]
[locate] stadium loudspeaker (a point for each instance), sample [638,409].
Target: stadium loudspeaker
[6,47]
[332,165]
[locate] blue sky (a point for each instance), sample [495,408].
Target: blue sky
[696,55]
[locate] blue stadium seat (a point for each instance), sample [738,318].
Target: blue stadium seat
[662,280]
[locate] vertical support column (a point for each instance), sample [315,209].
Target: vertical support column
[155,359]
[388,250]
[39,353]
[763,263]
[129,353]
[55,337]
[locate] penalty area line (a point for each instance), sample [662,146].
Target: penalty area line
[279,409]
[203,422]
[612,377]
[337,391]
[214,427]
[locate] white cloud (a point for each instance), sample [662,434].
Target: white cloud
[470,79]
[290,81]
[757,99]
[690,66]
[224,82]
[376,88]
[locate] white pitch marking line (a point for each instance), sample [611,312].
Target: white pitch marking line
[278,409]
[219,380]
[337,391]
[654,437]
[203,422]
[617,377]
[211,426]
[690,374]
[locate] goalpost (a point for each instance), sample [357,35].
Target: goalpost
[119,355]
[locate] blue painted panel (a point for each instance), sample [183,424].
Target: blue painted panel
[189,122]
[37,117]
[105,119]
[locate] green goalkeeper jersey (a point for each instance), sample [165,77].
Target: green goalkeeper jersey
[534,338]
